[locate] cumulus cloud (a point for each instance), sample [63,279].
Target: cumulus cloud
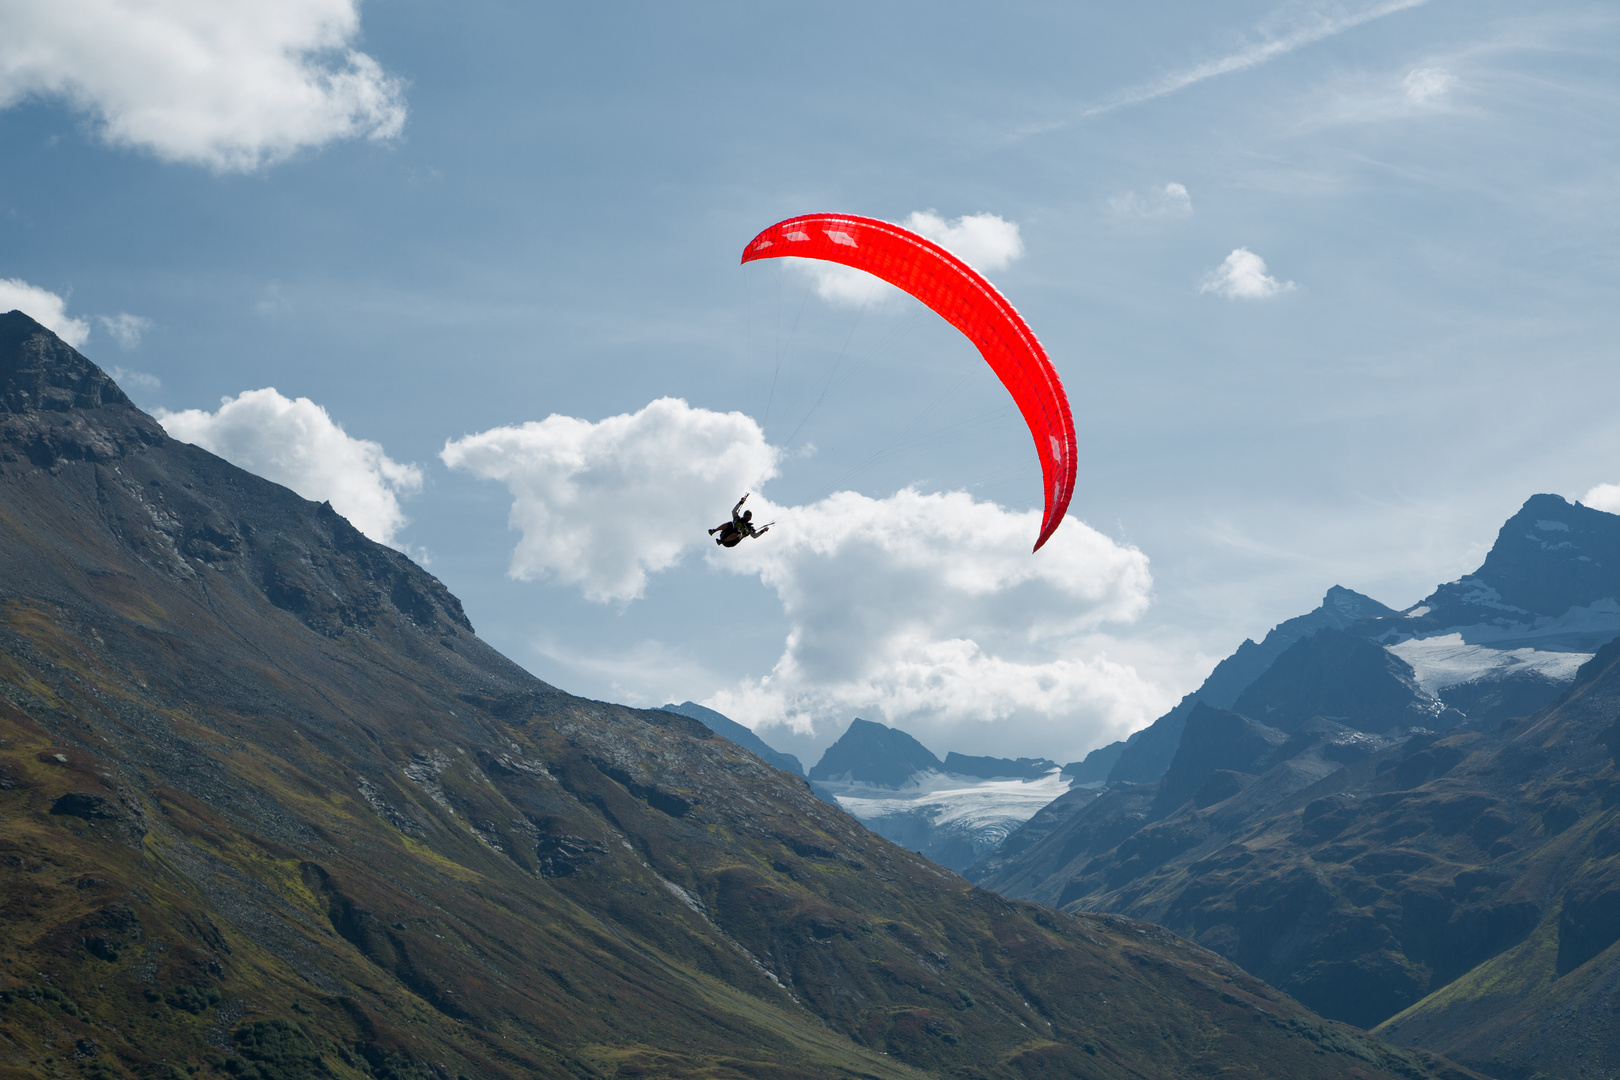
[124,328]
[231,86]
[1427,86]
[1604,497]
[922,608]
[986,242]
[1242,276]
[297,443]
[45,307]
[929,608]
[603,505]
[1171,200]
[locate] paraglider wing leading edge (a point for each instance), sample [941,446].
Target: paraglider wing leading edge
[962,297]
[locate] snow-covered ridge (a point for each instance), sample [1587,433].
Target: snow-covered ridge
[1553,647]
[951,799]
[952,819]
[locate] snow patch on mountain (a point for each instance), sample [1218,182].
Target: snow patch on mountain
[1551,647]
[952,819]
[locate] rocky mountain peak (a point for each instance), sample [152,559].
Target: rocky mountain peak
[69,437]
[55,405]
[870,753]
[40,371]
[1553,555]
[1147,754]
[1549,557]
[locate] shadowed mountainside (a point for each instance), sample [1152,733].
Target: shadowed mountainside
[269,808]
[1463,890]
[1145,756]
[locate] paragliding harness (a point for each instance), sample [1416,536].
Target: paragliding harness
[740,525]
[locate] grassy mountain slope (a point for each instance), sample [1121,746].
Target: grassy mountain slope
[269,808]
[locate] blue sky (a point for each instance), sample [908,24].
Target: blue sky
[1331,287]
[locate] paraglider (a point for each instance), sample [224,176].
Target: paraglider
[740,526]
[962,296]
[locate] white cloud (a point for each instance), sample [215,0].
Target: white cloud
[124,328]
[930,609]
[1604,497]
[229,85]
[1427,86]
[1243,277]
[45,308]
[296,443]
[1171,200]
[602,505]
[926,608]
[986,242]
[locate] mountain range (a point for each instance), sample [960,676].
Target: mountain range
[953,811]
[1407,820]
[269,808]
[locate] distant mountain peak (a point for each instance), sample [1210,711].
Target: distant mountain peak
[1148,753]
[872,753]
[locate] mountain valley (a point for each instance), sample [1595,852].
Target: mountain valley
[269,808]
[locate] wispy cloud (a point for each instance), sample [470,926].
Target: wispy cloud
[124,328]
[143,381]
[1171,200]
[1316,24]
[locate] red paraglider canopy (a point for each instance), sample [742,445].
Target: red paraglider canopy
[960,295]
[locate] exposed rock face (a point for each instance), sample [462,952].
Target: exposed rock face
[1347,679]
[1549,557]
[309,825]
[1147,754]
